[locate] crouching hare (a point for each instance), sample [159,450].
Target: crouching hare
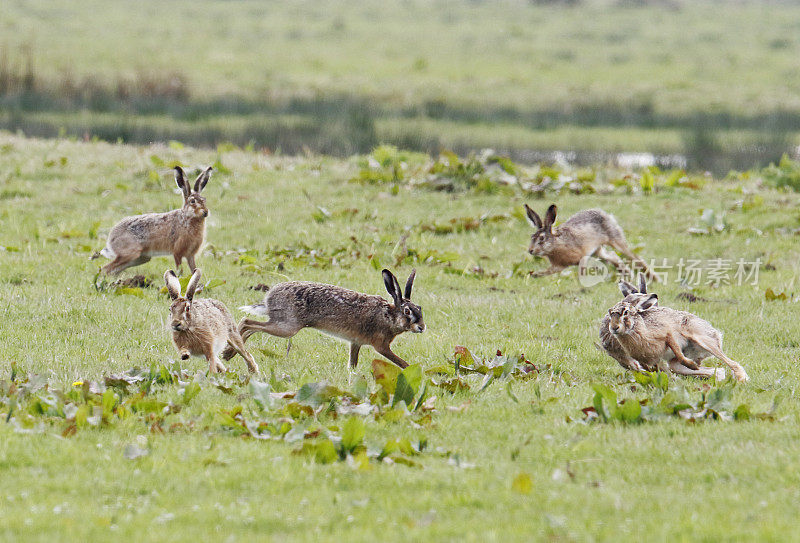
[647,336]
[203,327]
[360,319]
[584,234]
[180,233]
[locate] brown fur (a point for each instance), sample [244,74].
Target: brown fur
[360,319]
[608,342]
[660,338]
[180,233]
[203,327]
[584,234]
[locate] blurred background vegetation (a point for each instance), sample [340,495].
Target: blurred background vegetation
[716,82]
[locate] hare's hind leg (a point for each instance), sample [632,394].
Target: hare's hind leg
[354,348]
[714,346]
[622,246]
[274,328]
[610,256]
[124,261]
[677,367]
[236,343]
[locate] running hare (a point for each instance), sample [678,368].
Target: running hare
[360,319]
[203,327]
[584,234]
[660,338]
[180,233]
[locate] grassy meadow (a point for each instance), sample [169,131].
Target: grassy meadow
[513,461]
[715,80]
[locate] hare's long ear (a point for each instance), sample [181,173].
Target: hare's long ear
[180,180]
[173,285]
[392,287]
[550,217]
[193,282]
[642,284]
[409,284]
[648,302]
[202,179]
[626,288]
[533,217]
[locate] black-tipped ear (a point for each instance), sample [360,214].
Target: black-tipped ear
[202,179]
[647,303]
[180,180]
[392,286]
[642,284]
[626,288]
[173,285]
[409,284]
[193,282]
[550,216]
[533,217]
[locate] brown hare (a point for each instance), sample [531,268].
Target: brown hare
[360,319]
[203,327]
[180,233]
[582,235]
[607,340]
[660,338]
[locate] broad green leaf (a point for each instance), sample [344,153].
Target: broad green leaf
[130,291]
[190,391]
[325,452]
[316,394]
[408,383]
[109,401]
[353,431]
[385,374]
[630,411]
[260,392]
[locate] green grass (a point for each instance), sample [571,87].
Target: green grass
[464,74]
[668,480]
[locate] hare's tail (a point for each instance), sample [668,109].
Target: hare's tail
[256,309]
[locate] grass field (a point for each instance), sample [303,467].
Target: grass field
[342,77]
[511,462]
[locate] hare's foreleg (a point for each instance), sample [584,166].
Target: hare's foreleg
[190,261]
[549,271]
[383,348]
[236,343]
[214,365]
[354,348]
[627,362]
[672,343]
